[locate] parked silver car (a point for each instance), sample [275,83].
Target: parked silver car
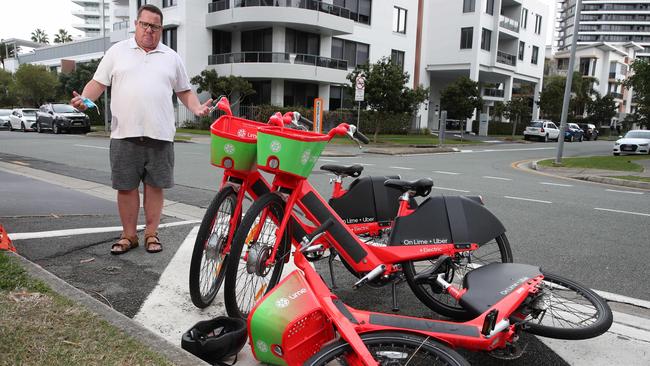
[4,118]
[542,130]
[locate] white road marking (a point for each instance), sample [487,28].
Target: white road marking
[621,211]
[507,150]
[329,160]
[91,146]
[400,167]
[444,172]
[451,189]
[498,178]
[556,184]
[366,164]
[527,199]
[617,191]
[89,230]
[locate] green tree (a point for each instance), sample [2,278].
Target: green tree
[639,81]
[386,91]
[7,50]
[551,97]
[35,85]
[62,36]
[77,79]
[461,98]
[7,96]
[517,109]
[230,86]
[498,110]
[39,36]
[601,110]
[582,92]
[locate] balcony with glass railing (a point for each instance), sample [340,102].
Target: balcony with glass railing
[506,58]
[509,23]
[492,92]
[277,57]
[121,25]
[616,95]
[320,14]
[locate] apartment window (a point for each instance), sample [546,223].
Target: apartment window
[399,20]
[359,9]
[489,7]
[339,98]
[524,18]
[397,57]
[141,2]
[533,57]
[469,6]
[301,42]
[299,94]
[522,48]
[562,63]
[259,40]
[584,66]
[538,24]
[262,94]
[466,35]
[168,3]
[354,53]
[486,39]
[169,38]
[221,42]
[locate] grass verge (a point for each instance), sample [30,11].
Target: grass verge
[619,163]
[40,327]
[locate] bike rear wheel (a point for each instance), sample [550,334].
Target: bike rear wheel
[572,311]
[248,275]
[209,260]
[497,250]
[392,348]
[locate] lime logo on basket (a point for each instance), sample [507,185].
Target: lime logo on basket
[282,302]
[261,346]
[305,157]
[241,132]
[276,146]
[229,148]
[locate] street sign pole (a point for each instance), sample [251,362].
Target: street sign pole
[359,95]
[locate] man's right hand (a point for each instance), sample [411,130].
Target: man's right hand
[77,101]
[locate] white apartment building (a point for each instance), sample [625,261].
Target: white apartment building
[605,21]
[90,14]
[609,63]
[499,43]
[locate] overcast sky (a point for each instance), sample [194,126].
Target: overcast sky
[19,18]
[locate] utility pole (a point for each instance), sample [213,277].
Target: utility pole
[569,81]
[103,25]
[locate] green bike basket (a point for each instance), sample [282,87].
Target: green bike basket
[289,151]
[233,143]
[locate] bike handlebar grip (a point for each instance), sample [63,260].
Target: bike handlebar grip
[361,137]
[306,121]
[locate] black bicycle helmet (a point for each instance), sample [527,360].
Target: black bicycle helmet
[216,339]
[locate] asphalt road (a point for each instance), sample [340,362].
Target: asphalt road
[565,226]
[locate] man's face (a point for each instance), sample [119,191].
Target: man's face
[145,34]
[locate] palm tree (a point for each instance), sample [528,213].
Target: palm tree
[62,36]
[39,36]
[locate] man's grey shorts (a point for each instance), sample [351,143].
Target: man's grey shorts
[143,159]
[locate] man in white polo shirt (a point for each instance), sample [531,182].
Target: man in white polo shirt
[142,73]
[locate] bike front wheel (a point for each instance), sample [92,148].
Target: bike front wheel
[391,348]
[250,274]
[497,250]
[209,259]
[566,309]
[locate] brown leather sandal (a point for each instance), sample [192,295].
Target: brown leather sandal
[152,239]
[120,247]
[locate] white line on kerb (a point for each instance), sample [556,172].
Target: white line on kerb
[400,167]
[365,164]
[90,230]
[451,189]
[556,184]
[620,211]
[329,160]
[444,172]
[94,147]
[617,191]
[527,199]
[498,178]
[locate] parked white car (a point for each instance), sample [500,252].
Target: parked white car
[23,119]
[634,142]
[542,130]
[4,118]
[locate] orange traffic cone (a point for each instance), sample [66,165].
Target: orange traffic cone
[5,242]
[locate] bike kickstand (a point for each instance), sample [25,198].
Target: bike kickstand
[394,290]
[330,263]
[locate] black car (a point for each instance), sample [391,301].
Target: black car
[60,118]
[591,132]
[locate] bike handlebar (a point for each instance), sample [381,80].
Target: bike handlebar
[361,137]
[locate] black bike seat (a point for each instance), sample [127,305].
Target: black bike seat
[488,284]
[421,187]
[342,170]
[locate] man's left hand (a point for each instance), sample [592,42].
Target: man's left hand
[204,109]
